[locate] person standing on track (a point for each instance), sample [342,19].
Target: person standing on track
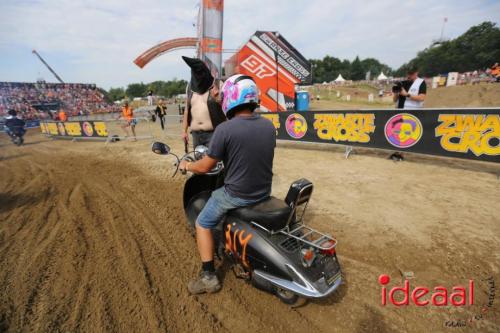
[150,97]
[204,112]
[128,115]
[161,111]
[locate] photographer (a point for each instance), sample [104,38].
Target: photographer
[410,93]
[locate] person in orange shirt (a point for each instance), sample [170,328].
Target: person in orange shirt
[495,71]
[62,115]
[128,115]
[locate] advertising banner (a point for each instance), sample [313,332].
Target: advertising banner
[275,65]
[463,133]
[81,129]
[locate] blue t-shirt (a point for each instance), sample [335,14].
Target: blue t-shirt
[246,146]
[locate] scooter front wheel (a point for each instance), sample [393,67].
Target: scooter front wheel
[286,296]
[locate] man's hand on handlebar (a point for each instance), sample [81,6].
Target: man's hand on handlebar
[205,165]
[183,166]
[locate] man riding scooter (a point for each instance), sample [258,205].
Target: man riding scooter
[246,145]
[15,127]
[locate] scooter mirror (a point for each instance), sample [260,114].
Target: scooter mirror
[160,148]
[200,151]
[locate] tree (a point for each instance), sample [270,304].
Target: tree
[160,88]
[136,90]
[330,67]
[477,48]
[115,94]
[375,67]
[357,71]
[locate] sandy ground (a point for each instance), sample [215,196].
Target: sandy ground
[481,95]
[93,238]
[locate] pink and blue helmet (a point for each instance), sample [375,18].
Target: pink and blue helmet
[238,90]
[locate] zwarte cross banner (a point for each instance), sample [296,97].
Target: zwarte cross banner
[464,133]
[81,129]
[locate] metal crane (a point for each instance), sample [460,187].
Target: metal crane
[47,65]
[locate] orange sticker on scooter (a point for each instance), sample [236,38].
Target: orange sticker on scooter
[232,244]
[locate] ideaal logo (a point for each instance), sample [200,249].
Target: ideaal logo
[403,130]
[480,315]
[457,296]
[462,133]
[296,126]
[351,127]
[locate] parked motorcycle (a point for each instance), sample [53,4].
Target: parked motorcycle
[268,244]
[16,135]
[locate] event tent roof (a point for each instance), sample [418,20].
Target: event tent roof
[339,78]
[382,76]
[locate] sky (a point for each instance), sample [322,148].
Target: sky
[96,41]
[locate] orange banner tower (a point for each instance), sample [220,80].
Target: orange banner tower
[210,24]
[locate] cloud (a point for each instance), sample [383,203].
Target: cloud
[96,41]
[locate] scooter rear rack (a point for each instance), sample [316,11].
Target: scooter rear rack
[311,237]
[305,235]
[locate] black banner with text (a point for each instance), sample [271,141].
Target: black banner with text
[79,129]
[464,133]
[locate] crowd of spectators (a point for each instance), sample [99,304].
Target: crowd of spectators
[42,100]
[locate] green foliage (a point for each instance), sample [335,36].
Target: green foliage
[115,94]
[357,70]
[330,67]
[477,48]
[160,88]
[167,88]
[136,90]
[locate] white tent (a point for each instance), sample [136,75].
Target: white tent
[339,78]
[382,76]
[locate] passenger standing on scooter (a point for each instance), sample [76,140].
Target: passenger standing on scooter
[204,112]
[245,143]
[14,125]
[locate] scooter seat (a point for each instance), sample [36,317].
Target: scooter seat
[272,213]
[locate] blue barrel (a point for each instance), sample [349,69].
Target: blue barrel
[302,100]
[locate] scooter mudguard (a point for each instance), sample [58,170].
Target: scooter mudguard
[197,184]
[274,262]
[197,191]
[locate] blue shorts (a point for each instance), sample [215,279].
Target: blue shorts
[218,205]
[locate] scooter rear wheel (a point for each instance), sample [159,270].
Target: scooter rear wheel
[286,296]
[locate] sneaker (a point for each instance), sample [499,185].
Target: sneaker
[206,283]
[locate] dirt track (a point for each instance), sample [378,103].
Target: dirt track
[92,239]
